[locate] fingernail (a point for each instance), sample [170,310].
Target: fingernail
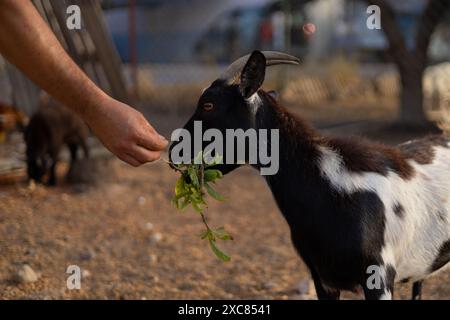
[163,138]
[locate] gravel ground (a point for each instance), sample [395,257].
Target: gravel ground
[130,243]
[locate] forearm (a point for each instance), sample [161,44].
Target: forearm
[27,42]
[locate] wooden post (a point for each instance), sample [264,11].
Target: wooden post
[91,48]
[105,51]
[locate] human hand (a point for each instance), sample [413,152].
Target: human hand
[125,132]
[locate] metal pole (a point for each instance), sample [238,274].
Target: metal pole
[287,24]
[132,43]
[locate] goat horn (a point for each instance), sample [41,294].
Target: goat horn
[272,58]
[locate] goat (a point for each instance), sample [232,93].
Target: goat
[52,126]
[352,206]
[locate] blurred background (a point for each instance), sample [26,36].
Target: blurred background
[390,84]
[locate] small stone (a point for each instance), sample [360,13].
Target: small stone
[65,197]
[269,285]
[31,185]
[303,286]
[149,226]
[26,274]
[30,252]
[155,238]
[186,287]
[298,297]
[85,273]
[153,259]
[229,295]
[141,200]
[87,255]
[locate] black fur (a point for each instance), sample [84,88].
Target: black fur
[417,290]
[338,235]
[387,284]
[443,257]
[253,74]
[51,127]
[399,210]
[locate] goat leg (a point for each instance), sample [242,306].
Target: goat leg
[417,290]
[322,293]
[52,179]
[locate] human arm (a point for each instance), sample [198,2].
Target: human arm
[27,42]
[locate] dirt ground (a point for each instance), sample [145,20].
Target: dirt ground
[131,243]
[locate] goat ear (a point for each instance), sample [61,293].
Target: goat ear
[252,76]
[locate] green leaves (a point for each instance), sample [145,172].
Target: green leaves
[189,190]
[211,175]
[187,193]
[212,236]
[213,192]
[219,254]
[222,234]
[193,175]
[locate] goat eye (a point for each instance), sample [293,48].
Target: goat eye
[208,106]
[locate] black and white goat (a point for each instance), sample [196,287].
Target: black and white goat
[351,205]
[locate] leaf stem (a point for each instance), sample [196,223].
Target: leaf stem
[172,165]
[201,176]
[204,221]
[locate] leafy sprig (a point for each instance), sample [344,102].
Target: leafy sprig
[195,179]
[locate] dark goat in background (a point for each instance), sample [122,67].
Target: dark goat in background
[49,129]
[354,207]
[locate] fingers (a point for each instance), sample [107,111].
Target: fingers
[138,156]
[144,155]
[152,141]
[129,159]
[127,134]
[142,149]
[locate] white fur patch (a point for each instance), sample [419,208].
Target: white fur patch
[254,102]
[387,295]
[413,240]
